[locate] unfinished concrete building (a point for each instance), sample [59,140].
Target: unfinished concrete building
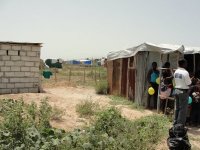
[19,67]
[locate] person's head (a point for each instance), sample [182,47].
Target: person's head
[182,63]
[154,65]
[166,65]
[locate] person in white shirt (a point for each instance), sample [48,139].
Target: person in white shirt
[182,83]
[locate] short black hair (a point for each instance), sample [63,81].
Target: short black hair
[154,63]
[182,62]
[166,65]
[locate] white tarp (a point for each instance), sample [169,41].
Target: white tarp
[162,48]
[192,50]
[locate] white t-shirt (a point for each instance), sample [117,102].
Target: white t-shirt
[182,79]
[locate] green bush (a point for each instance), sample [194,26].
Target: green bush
[87,108]
[101,87]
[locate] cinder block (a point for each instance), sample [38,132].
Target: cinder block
[5,80]
[5,91]
[22,53]
[19,74]
[19,63]
[25,58]
[5,58]
[35,48]
[29,64]
[3,52]
[25,69]
[15,68]
[9,63]
[19,85]
[10,85]
[37,64]
[16,47]
[1,74]
[29,85]
[26,48]
[35,59]
[34,69]
[15,57]
[34,54]
[9,74]
[33,90]
[2,85]
[15,80]
[5,68]
[1,63]
[5,47]
[14,91]
[24,90]
[13,53]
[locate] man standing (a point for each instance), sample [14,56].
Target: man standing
[182,82]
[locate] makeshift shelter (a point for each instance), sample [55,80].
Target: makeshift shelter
[127,69]
[192,55]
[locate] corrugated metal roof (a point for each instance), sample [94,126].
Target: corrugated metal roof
[20,43]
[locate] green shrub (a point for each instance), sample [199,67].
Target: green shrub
[101,87]
[87,108]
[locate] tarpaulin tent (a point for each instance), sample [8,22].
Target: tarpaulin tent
[127,69]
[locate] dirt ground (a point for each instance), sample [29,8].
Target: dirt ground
[66,98]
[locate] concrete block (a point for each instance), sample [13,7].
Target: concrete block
[19,74]
[29,85]
[25,58]
[15,68]
[14,91]
[15,80]
[5,68]
[10,85]
[1,74]
[9,63]
[24,90]
[22,53]
[30,64]
[34,54]
[33,90]
[37,64]
[34,69]
[16,47]
[19,85]
[38,54]
[36,74]
[5,47]
[13,53]
[1,63]
[25,69]
[5,80]
[36,84]
[35,48]
[15,57]
[26,48]
[5,58]
[19,63]
[28,74]
[34,59]
[3,52]
[2,85]
[5,91]
[9,74]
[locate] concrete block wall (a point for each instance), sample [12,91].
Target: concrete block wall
[19,68]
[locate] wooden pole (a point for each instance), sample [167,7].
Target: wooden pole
[194,62]
[158,98]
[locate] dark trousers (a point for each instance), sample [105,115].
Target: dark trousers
[195,113]
[181,108]
[154,96]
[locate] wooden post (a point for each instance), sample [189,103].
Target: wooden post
[127,82]
[194,62]
[158,97]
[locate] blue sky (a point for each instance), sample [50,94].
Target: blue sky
[92,28]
